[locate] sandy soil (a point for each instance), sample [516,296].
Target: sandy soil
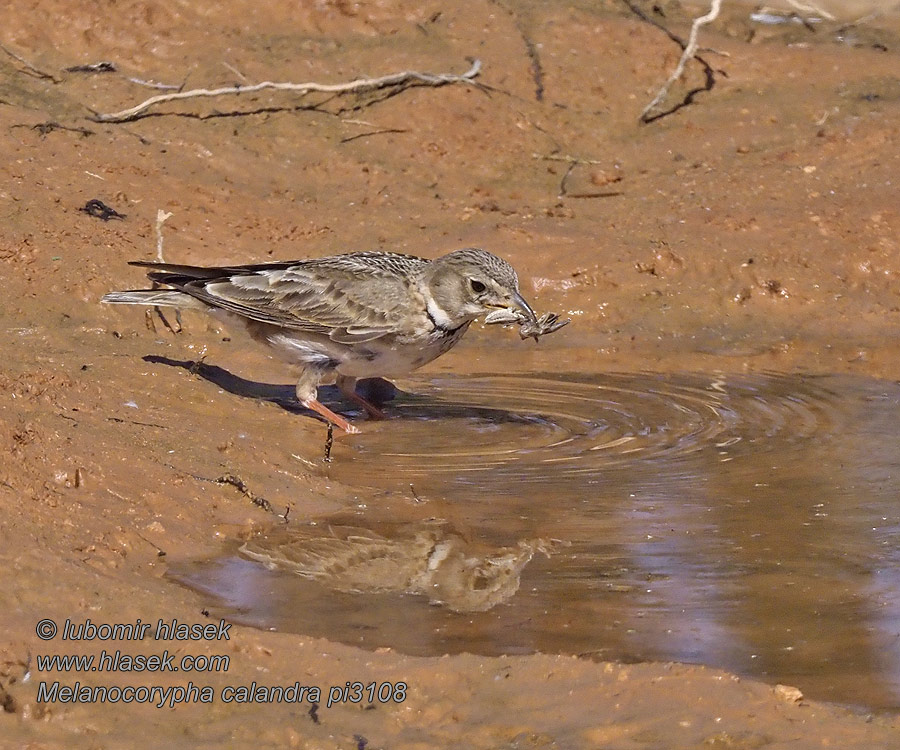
[756,229]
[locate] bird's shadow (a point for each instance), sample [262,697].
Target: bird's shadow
[375,390]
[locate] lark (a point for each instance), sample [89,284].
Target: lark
[427,559]
[347,317]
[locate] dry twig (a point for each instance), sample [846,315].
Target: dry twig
[240,485]
[329,443]
[29,68]
[155,84]
[374,132]
[690,50]
[407,77]
[810,9]
[104,66]
[573,162]
[161,218]
[565,157]
[44,128]
[531,49]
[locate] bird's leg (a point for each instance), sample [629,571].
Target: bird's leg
[347,386]
[376,391]
[319,408]
[307,389]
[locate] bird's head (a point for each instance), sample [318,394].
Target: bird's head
[466,284]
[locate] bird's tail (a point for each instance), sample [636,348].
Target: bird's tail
[158,297]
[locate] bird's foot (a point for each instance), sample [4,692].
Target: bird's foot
[373,411]
[336,419]
[347,386]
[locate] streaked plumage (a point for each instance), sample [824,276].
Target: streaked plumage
[345,317]
[425,559]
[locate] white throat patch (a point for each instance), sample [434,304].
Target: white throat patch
[437,313]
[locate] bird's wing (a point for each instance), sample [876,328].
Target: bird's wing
[352,298]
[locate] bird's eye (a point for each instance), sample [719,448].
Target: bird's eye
[477,286]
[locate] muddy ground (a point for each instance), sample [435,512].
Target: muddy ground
[755,229]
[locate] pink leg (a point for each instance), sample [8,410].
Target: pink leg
[307,394]
[347,386]
[335,419]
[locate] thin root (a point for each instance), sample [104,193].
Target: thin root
[329,442]
[161,218]
[407,77]
[690,49]
[241,486]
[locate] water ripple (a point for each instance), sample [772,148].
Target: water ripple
[566,426]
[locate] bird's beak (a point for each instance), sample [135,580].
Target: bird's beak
[519,302]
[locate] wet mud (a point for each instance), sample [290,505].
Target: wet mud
[671,523]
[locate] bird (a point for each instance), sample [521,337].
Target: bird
[426,559]
[347,317]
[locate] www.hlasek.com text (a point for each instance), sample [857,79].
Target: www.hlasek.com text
[116,661]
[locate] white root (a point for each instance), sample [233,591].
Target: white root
[360,84]
[690,50]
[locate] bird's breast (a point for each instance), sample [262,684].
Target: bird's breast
[393,356]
